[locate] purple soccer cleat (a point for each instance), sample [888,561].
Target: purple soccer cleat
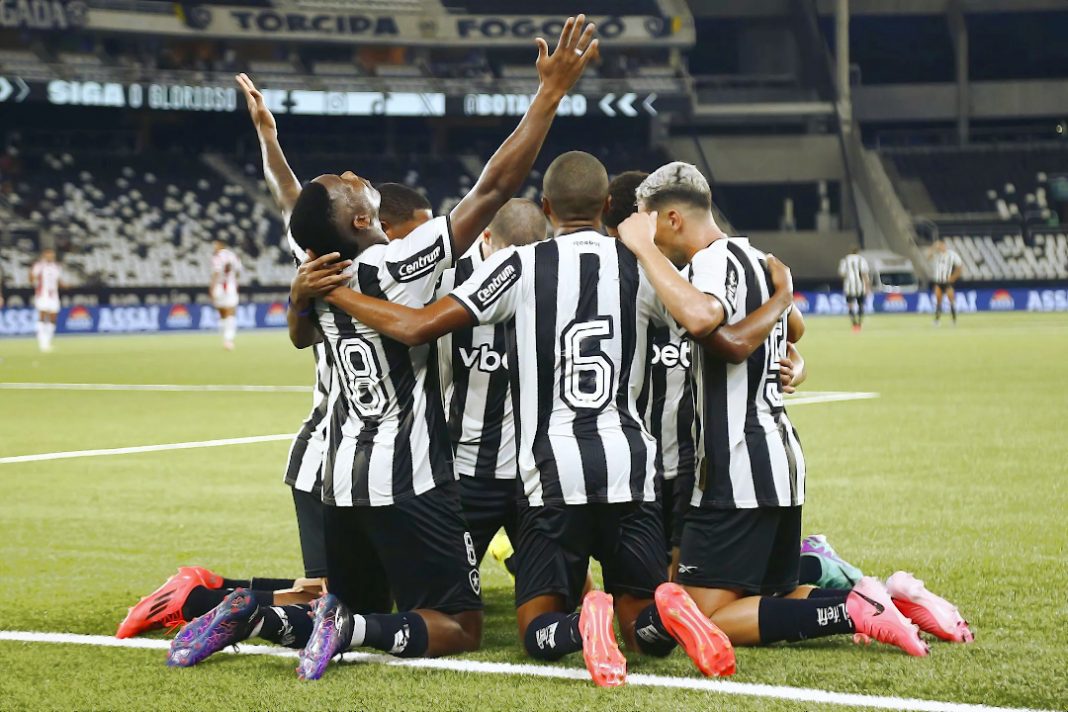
[331,633]
[228,623]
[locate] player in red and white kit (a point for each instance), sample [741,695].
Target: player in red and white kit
[225,268]
[46,277]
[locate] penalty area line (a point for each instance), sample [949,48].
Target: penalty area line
[144,448]
[713,686]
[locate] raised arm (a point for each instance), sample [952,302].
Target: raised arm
[281,181]
[734,343]
[696,312]
[407,325]
[510,165]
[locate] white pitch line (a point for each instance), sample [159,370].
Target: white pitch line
[180,388]
[810,397]
[144,448]
[723,687]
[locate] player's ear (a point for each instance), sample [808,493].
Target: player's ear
[386,227]
[487,236]
[361,221]
[674,218]
[546,208]
[607,205]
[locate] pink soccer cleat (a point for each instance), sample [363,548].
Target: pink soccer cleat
[875,616]
[163,607]
[606,664]
[933,614]
[707,645]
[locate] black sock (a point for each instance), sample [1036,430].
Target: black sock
[653,638]
[271,584]
[953,310]
[201,600]
[811,571]
[236,583]
[290,626]
[826,592]
[793,619]
[551,636]
[263,598]
[401,634]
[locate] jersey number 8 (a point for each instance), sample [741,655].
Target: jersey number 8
[361,365]
[588,373]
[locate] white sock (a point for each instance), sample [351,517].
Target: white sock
[50,331]
[229,327]
[42,336]
[359,631]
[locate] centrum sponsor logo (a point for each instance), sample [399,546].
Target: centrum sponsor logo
[418,265]
[498,283]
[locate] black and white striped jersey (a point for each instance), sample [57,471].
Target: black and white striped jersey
[305,462]
[944,264]
[751,453]
[478,400]
[386,434]
[577,353]
[666,401]
[854,271]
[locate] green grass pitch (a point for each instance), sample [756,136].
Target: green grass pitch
[957,472]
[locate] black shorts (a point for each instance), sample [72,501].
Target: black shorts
[418,549]
[858,298]
[556,542]
[943,285]
[757,551]
[310,528]
[675,497]
[489,504]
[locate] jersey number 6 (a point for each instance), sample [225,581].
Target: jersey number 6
[588,373]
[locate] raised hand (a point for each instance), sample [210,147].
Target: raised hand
[262,118]
[317,277]
[560,70]
[637,232]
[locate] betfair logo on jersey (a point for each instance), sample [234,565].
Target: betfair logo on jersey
[418,265]
[483,358]
[671,355]
[498,283]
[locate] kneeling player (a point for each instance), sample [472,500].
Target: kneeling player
[739,550]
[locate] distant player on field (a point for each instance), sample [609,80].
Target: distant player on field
[46,278]
[225,268]
[856,285]
[946,270]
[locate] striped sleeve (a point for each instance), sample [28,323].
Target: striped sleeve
[714,272]
[492,293]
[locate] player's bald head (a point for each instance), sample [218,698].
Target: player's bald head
[519,222]
[575,187]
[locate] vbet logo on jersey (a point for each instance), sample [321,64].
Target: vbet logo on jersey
[1001,300]
[79,318]
[178,317]
[275,315]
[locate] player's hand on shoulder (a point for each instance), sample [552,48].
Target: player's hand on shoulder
[317,277]
[637,231]
[577,46]
[781,276]
[262,118]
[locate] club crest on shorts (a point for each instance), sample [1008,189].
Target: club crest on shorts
[476,581]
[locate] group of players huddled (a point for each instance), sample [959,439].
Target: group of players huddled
[616,397]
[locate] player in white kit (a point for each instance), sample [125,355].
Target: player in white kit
[225,268]
[46,277]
